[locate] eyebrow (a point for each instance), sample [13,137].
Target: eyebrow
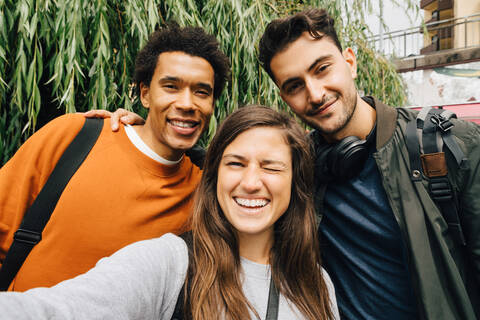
[170,78]
[233,155]
[310,68]
[263,162]
[319,59]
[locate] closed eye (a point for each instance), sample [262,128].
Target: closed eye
[274,166]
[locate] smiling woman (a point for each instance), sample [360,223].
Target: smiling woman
[254,242]
[254,203]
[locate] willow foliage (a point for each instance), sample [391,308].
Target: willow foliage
[68,56]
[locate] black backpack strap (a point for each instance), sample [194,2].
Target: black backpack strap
[196,155]
[413,148]
[178,313]
[425,138]
[37,216]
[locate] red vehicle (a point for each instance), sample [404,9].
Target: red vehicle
[469,111]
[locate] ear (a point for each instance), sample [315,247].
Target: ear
[145,95]
[351,60]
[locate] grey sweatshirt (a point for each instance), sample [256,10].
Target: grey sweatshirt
[140,281]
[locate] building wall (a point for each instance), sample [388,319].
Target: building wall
[427,15]
[430,87]
[466,7]
[463,8]
[464,35]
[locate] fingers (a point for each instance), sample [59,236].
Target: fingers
[132,118]
[97,114]
[104,114]
[114,120]
[120,115]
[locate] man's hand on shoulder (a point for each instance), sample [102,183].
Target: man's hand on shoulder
[120,115]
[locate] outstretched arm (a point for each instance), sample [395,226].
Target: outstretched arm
[120,115]
[141,281]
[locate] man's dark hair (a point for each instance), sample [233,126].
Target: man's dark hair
[281,32]
[190,40]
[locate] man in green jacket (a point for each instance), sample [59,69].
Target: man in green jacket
[385,243]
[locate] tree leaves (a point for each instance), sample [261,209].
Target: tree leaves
[78,55]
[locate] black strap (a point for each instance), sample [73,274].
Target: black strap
[196,155]
[434,125]
[452,145]
[413,148]
[437,124]
[272,307]
[37,216]
[442,193]
[429,133]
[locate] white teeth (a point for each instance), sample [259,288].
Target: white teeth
[182,124]
[251,202]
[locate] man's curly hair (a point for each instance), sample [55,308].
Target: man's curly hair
[190,40]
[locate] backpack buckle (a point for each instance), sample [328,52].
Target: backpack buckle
[443,123]
[27,236]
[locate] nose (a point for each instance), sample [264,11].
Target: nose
[185,100]
[251,180]
[315,91]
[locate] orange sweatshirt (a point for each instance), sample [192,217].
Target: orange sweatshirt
[116,197]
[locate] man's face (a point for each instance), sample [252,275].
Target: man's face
[317,81]
[180,99]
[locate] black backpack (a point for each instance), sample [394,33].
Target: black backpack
[425,138]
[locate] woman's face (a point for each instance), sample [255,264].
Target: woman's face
[254,180]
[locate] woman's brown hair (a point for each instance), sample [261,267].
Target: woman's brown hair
[214,287]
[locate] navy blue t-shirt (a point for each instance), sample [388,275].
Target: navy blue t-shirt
[363,250]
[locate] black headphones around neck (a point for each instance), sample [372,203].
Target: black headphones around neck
[342,160]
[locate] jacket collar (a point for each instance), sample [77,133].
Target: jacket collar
[386,122]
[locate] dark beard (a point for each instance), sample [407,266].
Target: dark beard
[343,121]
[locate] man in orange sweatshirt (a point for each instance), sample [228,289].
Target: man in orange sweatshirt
[135,183]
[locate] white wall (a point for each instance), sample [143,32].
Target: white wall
[428,88]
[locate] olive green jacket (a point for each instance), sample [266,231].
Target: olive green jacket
[445,275]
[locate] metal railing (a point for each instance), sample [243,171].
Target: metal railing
[450,33]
